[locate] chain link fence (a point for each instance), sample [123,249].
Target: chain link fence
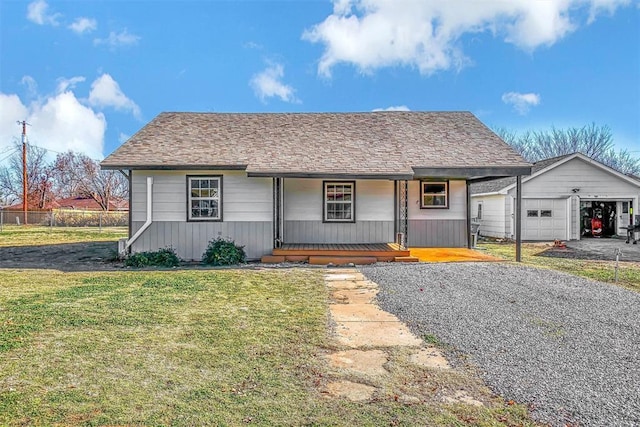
[65,218]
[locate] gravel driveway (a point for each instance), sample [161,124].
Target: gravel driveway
[567,346]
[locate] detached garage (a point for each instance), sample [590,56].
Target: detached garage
[566,198]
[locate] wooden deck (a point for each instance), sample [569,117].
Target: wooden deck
[339,254]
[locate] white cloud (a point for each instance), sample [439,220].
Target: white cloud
[106,92]
[123,38]
[393,108]
[269,83]
[58,123]
[31,84]
[65,84]
[522,102]
[370,34]
[38,12]
[83,25]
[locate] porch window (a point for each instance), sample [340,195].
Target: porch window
[434,195]
[204,201]
[339,201]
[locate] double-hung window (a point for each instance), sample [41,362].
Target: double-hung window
[339,201]
[434,194]
[204,198]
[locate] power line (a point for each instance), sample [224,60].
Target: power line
[14,151]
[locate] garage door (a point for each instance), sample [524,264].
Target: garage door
[544,219]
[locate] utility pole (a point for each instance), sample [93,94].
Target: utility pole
[24,169]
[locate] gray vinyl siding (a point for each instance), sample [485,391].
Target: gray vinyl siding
[190,239]
[437,233]
[320,232]
[246,208]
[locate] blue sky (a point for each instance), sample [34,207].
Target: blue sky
[88,74]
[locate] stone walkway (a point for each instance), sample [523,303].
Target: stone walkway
[366,336]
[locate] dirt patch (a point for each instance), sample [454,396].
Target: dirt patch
[364,362]
[85,256]
[604,249]
[430,357]
[354,392]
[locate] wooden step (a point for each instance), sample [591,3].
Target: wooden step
[272,259]
[296,258]
[340,253]
[406,259]
[342,260]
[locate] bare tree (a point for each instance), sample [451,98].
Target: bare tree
[594,141]
[38,177]
[76,174]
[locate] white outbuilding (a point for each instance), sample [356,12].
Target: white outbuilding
[564,198]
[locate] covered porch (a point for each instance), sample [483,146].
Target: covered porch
[342,254]
[339,254]
[382,217]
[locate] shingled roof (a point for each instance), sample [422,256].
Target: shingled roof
[392,144]
[498,184]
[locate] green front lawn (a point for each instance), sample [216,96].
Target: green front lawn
[215,347]
[28,235]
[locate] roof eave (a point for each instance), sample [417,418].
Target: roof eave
[172,167]
[471,173]
[331,175]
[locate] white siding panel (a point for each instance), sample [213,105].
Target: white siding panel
[493,219]
[374,200]
[591,180]
[303,200]
[244,198]
[457,202]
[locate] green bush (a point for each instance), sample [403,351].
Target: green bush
[165,257]
[223,252]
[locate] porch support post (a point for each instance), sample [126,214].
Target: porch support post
[518,218]
[396,209]
[277,213]
[404,212]
[469,246]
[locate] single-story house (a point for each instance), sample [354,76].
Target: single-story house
[268,180]
[561,200]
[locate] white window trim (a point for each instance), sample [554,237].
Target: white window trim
[446,195]
[352,202]
[190,198]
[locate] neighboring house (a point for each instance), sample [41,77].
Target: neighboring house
[265,180]
[560,200]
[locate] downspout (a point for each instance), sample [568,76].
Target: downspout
[519,218]
[147,223]
[469,232]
